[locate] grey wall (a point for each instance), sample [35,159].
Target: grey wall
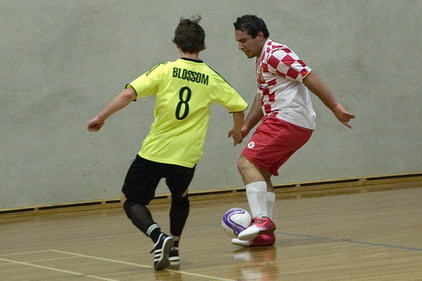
[63,61]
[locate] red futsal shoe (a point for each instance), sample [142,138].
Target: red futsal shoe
[258,226]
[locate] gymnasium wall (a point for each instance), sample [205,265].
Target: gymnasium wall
[63,61]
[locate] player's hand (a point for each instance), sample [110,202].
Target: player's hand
[343,116]
[95,124]
[236,135]
[244,131]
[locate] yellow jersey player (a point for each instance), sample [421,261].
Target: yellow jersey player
[184,90]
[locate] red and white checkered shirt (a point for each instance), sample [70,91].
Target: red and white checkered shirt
[280,73]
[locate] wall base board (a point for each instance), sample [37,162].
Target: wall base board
[285,191]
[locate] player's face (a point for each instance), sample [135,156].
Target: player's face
[250,46]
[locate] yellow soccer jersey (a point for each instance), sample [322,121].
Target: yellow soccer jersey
[184,90]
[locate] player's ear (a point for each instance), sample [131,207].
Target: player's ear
[261,36]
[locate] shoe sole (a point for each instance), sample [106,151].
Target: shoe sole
[241,243]
[164,261]
[174,262]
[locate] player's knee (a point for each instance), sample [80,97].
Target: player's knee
[127,206]
[243,164]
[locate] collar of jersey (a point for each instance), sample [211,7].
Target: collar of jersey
[189,59]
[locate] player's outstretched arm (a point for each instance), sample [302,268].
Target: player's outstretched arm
[320,89]
[119,102]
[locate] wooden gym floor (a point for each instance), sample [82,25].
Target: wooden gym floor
[358,236]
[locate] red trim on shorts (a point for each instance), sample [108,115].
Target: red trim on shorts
[274,142]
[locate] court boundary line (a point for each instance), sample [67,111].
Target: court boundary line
[24,253]
[73,255]
[75,273]
[143,266]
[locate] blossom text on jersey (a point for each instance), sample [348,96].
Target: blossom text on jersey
[190,75]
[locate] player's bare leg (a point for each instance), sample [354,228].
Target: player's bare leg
[257,184]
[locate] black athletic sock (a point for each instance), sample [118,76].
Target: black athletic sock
[155,234]
[176,241]
[179,212]
[141,217]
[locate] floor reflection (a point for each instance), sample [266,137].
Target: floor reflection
[258,264]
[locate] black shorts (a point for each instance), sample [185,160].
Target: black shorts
[143,177]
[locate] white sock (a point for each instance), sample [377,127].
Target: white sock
[256,194]
[270,203]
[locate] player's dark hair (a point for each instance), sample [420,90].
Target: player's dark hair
[189,35]
[251,25]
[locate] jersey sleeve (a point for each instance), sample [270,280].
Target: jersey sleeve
[229,97]
[287,64]
[147,84]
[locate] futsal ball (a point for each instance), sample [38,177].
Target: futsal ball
[235,221]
